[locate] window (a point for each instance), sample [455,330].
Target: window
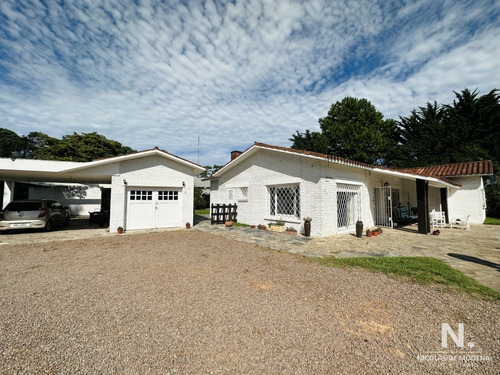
[141,195]
[168,195]
[243,194]
[284,201]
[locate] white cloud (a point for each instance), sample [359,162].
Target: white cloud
[164,74]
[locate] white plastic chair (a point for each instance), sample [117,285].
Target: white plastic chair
[433,219]
[462,223]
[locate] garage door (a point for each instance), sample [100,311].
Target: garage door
[153,208]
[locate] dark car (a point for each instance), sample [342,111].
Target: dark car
[33,214]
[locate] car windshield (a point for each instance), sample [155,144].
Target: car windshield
[24,206]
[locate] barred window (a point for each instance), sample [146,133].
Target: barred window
[284,200]
[141,195]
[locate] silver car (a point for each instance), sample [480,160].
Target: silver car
[33,214]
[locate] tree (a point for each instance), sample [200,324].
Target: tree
[466,130]
[84,147]
[353,129]
[210,170]
[310,141]
[10,143]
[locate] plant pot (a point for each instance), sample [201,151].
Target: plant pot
[369,233]
[359,229]
[307,228]
[262,227]
[120,230]
[188,225]
[228,223]
[292,232]
[252,226]
[375,233]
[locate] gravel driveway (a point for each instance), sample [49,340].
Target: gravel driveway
[189,302]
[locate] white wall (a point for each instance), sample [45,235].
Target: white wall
[81,199]
[316,179]
[154,172]
[468,200]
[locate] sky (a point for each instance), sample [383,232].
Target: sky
[229,73]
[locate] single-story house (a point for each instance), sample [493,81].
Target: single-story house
[270,183]
[149,189]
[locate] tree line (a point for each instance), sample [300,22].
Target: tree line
[73,147]
[468,129]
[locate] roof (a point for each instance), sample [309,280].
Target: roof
[138,154]
[474,168]
[438,180]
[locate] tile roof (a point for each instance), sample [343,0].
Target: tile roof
[475,168]
[317,154]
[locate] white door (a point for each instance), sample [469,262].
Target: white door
[153,208]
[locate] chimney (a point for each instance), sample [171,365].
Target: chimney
[235,154]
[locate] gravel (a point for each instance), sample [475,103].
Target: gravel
[188,302]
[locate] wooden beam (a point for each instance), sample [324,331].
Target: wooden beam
[423,206]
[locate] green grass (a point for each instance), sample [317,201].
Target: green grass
[423,270]
[492,221]
[205,211]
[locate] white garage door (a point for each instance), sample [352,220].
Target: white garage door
[153,208]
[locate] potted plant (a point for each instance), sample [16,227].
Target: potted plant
[119,230]
[379,230]
[369,233]
[307,226]
[262,227]
[252,226]
[188,225]
[229,221]
[376,232]
[291,230]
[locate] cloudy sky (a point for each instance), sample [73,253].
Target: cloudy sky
[163,73]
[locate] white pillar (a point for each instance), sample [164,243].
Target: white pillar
[8,192]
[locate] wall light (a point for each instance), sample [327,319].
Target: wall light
[386,183]
[125,182]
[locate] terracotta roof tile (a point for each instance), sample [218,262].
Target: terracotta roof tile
[475,168]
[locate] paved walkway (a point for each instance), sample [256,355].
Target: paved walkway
[475,252]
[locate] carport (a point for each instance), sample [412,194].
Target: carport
[149,189]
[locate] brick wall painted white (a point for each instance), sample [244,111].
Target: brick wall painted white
[468,200]
[152,172]
[317,181]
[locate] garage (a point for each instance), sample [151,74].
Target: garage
[149,189]
[154,208]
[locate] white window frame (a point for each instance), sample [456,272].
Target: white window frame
[271,189]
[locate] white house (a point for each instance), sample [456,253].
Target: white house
[270,183]
[149,189]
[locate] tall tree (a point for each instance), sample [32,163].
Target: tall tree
[353,129]
[10,143]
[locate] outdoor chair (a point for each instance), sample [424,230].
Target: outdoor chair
[437,219]
[462,223]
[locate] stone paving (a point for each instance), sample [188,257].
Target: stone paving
[475,252]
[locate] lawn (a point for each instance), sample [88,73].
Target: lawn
[424,270]
[492,221]
[205,211]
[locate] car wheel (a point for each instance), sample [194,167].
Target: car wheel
[48,226]
[5,232]
[66,221]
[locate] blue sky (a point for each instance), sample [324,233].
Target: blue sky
[163,73]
